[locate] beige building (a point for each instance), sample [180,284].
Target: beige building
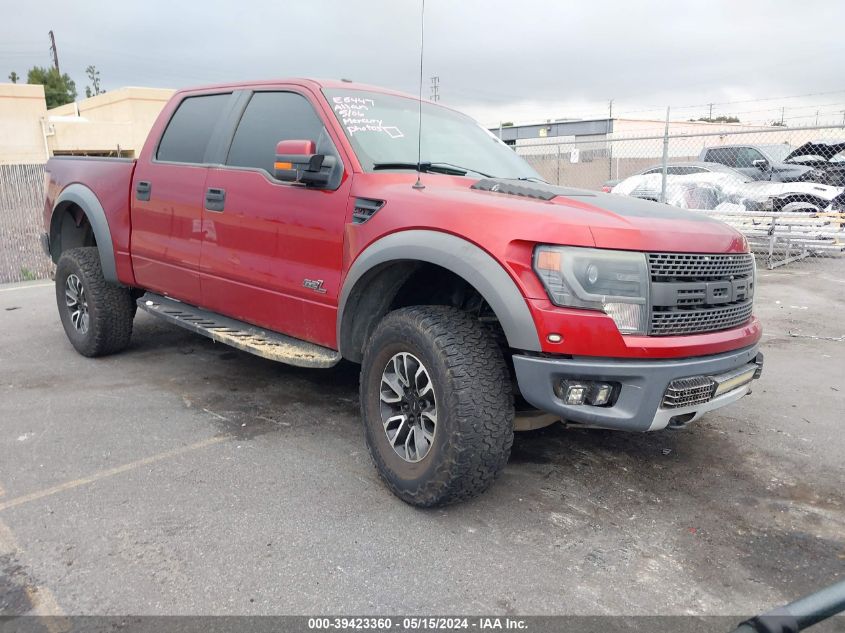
[22,111]
[110,124]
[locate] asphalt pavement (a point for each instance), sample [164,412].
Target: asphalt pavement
[184,477]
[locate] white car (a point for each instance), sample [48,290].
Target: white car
[709,190]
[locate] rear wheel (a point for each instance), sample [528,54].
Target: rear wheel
[437,405]
[96,315]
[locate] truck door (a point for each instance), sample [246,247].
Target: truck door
[167,199]
[272,251]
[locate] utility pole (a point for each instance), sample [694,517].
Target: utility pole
[710,116]
[817,118]
[54,52]
[843,118]
[782,113]
[609,142]
[435,88]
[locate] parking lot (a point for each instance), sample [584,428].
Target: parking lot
[184,477]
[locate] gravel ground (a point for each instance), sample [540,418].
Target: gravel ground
[182,477]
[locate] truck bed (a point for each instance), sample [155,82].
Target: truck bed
[110,179]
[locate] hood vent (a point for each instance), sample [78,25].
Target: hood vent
[529,189]
[365,208]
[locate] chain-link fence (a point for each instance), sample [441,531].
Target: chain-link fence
[21,204]
[782,187]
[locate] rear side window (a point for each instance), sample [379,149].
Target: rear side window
[684,171]
[676,171]
[190,128]
[271,117]
[724,155]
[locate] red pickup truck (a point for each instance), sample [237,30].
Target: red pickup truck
[312,221]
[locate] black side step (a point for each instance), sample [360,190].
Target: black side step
[243,336]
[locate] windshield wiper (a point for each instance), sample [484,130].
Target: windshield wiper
[444,166]
[428,166]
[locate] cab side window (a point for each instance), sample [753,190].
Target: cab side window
[747,156]
[271,117]
[189,130]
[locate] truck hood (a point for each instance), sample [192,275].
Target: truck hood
[502,216]
[823,149]
[614,221]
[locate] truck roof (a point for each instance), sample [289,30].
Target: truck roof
[314,84]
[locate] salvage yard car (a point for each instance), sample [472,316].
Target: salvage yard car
[684,168]
[826,160]
[304,222]
[757,162]
[712,186]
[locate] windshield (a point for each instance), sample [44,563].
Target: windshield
[778,152]
[383,130]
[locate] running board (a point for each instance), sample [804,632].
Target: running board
[243,336]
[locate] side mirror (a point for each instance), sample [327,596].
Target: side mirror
[297,161]
[761,163]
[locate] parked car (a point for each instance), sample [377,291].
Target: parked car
[674,169]
[757,162]
[713,185]
[303,222]
[826,160]
[837,205]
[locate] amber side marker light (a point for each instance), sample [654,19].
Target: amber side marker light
[283,165]
[548,260]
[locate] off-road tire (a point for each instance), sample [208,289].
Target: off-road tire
[475,409]
[110,307]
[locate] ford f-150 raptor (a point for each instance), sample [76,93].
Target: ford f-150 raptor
[310,221]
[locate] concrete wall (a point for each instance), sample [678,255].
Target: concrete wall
[99,125]
[121,118]
[22,107]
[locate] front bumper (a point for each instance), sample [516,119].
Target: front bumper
[642,385]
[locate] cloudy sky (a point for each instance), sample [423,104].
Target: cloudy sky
[512,60]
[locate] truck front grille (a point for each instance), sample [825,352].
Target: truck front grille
[696,293]
[682,321]
[693,267]
[688,392]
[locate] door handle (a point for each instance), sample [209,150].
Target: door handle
[143,188]
[215,199]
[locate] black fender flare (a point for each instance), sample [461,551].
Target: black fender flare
[459,256]
[86,200]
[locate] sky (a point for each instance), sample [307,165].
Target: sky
[497,60]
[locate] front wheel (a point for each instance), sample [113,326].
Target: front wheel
[97,315]
[437,405]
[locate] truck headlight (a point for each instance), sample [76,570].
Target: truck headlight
[615,282]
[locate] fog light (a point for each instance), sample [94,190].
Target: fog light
[600,394]
[574,393]
[578,392]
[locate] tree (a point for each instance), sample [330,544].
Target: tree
[13,77]
[718,119]
[58,89]
[94,75]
